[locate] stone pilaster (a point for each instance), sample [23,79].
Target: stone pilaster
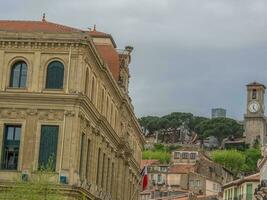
[2,71]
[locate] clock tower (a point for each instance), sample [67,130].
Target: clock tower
[255,122]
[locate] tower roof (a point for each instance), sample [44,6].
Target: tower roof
[256,84]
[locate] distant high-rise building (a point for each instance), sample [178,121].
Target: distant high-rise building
[218,112]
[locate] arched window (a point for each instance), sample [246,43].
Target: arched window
[86,82]
[18,76]
[55,75]
[93,89]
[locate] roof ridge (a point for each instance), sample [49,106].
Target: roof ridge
[43,23]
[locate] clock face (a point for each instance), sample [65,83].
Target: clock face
[254,107]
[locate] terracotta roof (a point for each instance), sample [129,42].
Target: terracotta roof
[96,33]
[251,178]
[107,52]
[181,169]
[111,57]
[148,162]
[39,26]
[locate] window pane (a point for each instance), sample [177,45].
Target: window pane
[17,133]
[11,147]
[18,75]
[23,75]
[48,147]
[55,75]
[10,133]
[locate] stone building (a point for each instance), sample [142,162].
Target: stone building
[255,120]
[64,99]
[190,171]
[242,189]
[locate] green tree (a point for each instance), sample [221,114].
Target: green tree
[252,156]
[220,128]
[230,159]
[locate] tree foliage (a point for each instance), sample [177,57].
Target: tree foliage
[230,159]
[238,162]
[219,127]
[173,120]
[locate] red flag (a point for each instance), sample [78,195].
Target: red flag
[144,178]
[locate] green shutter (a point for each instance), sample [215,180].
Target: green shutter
[249,193]
[48,147]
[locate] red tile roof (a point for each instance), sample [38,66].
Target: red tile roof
[107,52]
[251,178]
[38,26]
[95,33]
[111,57]
[181,169]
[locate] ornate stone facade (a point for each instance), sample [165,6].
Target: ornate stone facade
[99,139]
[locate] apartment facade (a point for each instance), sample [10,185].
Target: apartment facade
[241,189]
[64,102]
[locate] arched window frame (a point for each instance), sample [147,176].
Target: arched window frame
[63,76]
[11,75]
[86,84]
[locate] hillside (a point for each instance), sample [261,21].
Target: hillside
[204,127]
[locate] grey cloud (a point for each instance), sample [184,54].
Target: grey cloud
[190,55]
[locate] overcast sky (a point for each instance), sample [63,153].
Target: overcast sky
[190,55]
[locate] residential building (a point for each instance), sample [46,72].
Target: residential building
[190,171]
[261,190]
[241,189]
[64,100]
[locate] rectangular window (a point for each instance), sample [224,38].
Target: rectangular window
[107,181]
[103,170]
[11,147]
[81,155]
[48,147]
[176,155]
[88,159]
[98,166]
[193,156]
[185,155]
[102,100]
[112,177]
[159,178]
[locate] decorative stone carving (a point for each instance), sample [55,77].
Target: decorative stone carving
[51,115]
[12,113]
[32,112]
[69,113]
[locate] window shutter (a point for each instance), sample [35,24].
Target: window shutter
[48,147]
